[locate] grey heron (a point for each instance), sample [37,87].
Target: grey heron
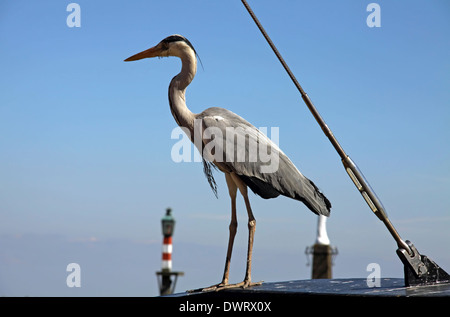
[285,179]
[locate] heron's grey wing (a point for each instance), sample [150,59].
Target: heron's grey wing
[243,149]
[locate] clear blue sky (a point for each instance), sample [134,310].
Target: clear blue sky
[85,165]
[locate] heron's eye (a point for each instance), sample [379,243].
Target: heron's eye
[164,46]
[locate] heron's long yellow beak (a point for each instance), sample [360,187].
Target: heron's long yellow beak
[151,52]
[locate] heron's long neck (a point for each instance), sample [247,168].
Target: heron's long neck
[177,88]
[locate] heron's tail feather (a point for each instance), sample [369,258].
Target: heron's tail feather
[315,200]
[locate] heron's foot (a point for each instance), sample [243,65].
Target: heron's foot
[208,289]
[221,286]
[215,287]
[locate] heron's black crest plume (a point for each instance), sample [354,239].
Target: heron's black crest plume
[176,38]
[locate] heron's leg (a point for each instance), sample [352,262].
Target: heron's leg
[251,231]
[238,183]
[232,190]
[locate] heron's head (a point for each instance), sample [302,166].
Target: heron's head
[174,45]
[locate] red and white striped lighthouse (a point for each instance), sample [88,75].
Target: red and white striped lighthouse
[168,226]
[166,286]
[167,254]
